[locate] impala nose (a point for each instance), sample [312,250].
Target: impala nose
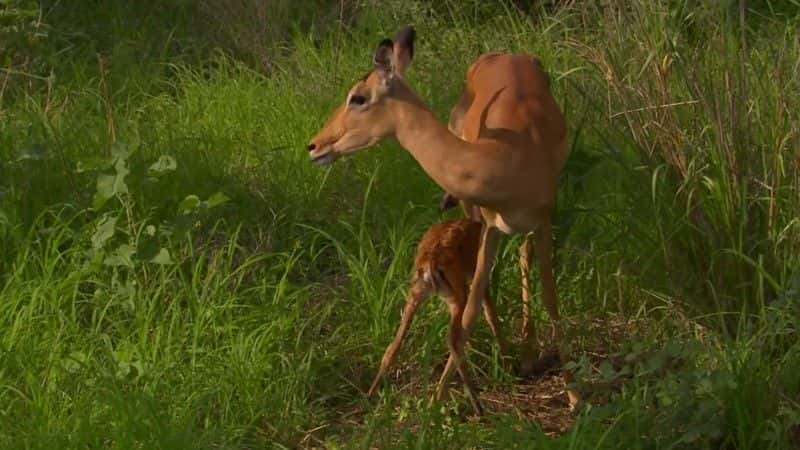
[311,147]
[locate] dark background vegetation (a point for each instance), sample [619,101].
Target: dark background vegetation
[174,273]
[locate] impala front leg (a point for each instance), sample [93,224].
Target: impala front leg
[490,312]
[417,294]
[480,280]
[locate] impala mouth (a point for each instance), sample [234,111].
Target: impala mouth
[324,159]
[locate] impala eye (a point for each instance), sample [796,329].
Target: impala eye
[358,100]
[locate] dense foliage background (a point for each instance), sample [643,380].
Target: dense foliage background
[174,273]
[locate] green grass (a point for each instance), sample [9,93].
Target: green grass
[235,296]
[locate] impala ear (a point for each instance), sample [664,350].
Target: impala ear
[403,49]
[383,59]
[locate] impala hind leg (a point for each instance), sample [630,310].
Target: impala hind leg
[418,292]
[530,348]
[454,343]
[455,340]
[460,334]
[453,291]
[544,253]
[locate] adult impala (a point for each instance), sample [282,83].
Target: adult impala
[509,147]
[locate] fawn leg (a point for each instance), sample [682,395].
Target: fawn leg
[480,281]
[455,341]
[444,281]
[441,386]
[417,293]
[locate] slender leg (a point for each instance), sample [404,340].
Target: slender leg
[441,386]
[525,254]
[490,312]
[544,253]
[455,341]
[480,280]
[530,347]
[472,211]
[417,293]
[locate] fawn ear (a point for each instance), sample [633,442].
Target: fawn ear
[403,49]
[447,202]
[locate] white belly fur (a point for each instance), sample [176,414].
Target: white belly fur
[512,223]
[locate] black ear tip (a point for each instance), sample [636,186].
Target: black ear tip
[406,35]
[386,43]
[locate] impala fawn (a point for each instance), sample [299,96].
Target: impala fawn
[444,264]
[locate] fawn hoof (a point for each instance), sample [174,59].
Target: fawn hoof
[374,387]
[475,402]
[476,406]
[575,401]
[440,394]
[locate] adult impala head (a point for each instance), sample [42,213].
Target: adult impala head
[366,117]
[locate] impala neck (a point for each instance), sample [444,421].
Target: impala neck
[450,161]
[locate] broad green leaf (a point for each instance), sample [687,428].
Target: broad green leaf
[105,231]
[147,247]
[122,171]
[3,218]
[181,225]
[162,258]
[120,151]
[164,164]
[91,164]
[98,201]
[121,257]
[189,204]
[74,362]
[217,199]
[110,185]
[105,190]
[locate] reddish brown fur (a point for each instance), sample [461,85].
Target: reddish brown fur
[444,264]
[448,245]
